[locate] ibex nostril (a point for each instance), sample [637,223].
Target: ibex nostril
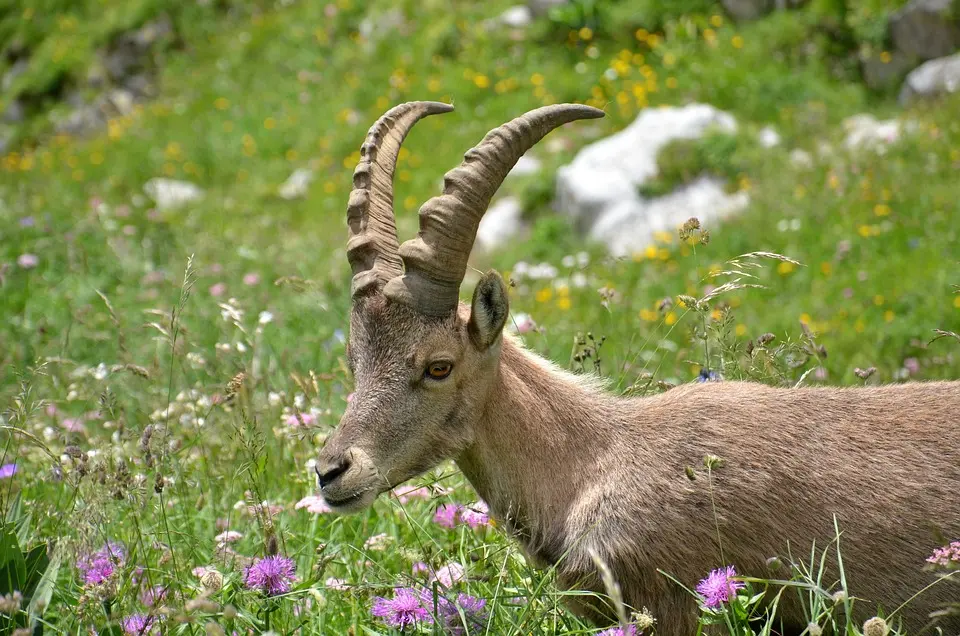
[328,473]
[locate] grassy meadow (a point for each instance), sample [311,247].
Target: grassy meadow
[167,376]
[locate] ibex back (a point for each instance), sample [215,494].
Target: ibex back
[573,471]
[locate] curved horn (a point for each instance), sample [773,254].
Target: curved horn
[436,260]
[372,243]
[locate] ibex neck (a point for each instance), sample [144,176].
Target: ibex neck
[538,446]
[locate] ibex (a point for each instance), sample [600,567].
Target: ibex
[574,472]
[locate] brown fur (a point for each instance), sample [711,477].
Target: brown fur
[570,468]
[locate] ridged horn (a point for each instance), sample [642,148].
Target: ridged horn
[372,245]
[436,260]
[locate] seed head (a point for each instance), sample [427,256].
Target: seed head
[875,626]
[234,385]
[212,581]
[212,629]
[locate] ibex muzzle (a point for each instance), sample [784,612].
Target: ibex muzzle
[575,472]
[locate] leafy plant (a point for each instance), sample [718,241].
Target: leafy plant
[27,579]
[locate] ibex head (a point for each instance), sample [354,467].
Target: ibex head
[423,363]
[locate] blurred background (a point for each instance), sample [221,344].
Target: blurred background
[137,133]
[772,195]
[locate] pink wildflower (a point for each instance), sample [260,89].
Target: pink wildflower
[271,575]
[946,556]
[153,596]
[407,608]
[378,542]
[230,536]
[217,289]
[475,515]
[97,567]
[420,568]
[7,471]
[28,261]
[912,365]
[251,278]
[717,588]
[297,420]
[141,625]
[406,493]
[73,425]
[314,504]
[446,515]
[334,583]
[474,615]
[629,630]
[450,574]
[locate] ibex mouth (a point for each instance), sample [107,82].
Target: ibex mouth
[343,503]
[352,503]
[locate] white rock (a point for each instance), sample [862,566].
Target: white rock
[517,17]
[526,166]
[629,227]
[503,221]
[170,193]
[932,79]
[296,184]
[769,137]
[599,189]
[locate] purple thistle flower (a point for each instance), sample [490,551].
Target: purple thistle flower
[717,588]
[446,515]
[474,615]
[7,471]
[629,630]
[408,608]
[140,625]
[97,567]
[153,596]
[271,575]
[420,568]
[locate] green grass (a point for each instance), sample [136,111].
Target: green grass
[106,330]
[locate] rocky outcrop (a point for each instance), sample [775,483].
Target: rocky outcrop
[599,190]
[932,79]
[926,29]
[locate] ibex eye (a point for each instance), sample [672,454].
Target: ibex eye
[439,370]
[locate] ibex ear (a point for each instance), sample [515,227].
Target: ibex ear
[489,310]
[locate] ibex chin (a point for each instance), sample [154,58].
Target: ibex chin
[574,472]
